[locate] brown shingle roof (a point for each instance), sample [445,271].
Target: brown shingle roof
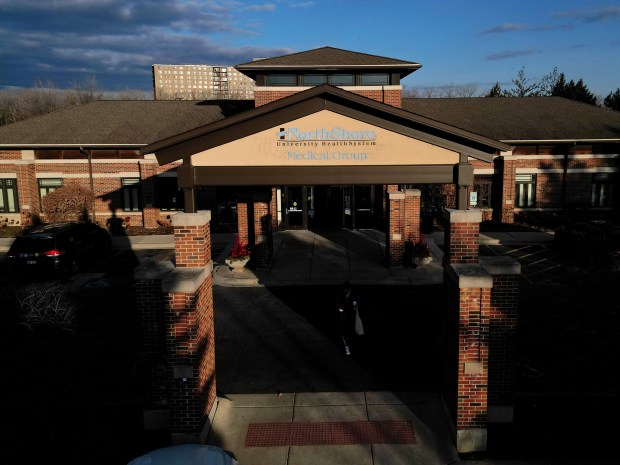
[118,122]
[328,58]
[521,119]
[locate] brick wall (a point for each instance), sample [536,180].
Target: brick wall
[10,154]
[262,256]
[192,244]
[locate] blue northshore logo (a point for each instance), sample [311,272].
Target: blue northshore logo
[335,137]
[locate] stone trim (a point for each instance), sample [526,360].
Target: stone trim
[470,276]
[500,265]
[462,216]
[191,219]
[186,280]
[398,195]
[413,192]
[149,270]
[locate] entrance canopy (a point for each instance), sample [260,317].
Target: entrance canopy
[323,135]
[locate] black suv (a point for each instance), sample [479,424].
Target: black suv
[58,247]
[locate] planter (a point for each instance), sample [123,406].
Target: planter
[422,261]
[237,264]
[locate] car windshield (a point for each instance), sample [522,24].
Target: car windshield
[32,244]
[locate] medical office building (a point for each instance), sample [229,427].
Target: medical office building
[328,142]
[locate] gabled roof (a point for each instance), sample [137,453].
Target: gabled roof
[117,123]
[312,100]
[327,58]
[513,119]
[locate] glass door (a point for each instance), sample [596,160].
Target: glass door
[362,200]
[295,202]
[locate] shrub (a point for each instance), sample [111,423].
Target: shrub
[67,203]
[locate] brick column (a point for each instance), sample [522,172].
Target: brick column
[28,192]
[412,215]
[152,336]
[395,242]
[243,230]
[467,394]
[262,249]
[461,236]
[507,170]
[148,175]
[505,272]
[188,316]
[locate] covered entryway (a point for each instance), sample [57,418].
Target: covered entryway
[326,139]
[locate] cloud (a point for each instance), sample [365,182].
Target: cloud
[119,40]
[516,27]
[598,15]
[301,5]
[511,54]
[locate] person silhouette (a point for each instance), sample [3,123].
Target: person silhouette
[348,303]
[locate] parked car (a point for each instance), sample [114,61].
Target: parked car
[185,454]
[593,237]
[58,247]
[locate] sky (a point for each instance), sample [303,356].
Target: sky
[458,43]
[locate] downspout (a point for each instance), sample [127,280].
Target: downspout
[90,177]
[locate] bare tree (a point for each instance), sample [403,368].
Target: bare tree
[84,91]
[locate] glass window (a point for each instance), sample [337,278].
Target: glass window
[8,196]
[374,79]
[482,186]
[48,185]
[342,79]
[281,80]
[130,192]
[602,190]
[169,194]
[312,79]
[525,192]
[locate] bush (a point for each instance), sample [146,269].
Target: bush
[68,203]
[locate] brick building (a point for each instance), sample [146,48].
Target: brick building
[200,82]
[326,142]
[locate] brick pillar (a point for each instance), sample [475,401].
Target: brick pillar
[28,192]
[262,249]
[461,236]
[467,393]
[412,215]
[482,318]
[505,272]
[273,208]
[152,336]
[188,316]
[395,241]
[243,230]
[507,170]
[148,175]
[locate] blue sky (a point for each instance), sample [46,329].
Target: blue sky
[457,42]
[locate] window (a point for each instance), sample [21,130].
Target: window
[602,190]
[281,80]
[169,194]
[48,185]
[525,192]
[482,186]
[8,196]
[374,79]
[312,79]
[342,79]
[130,192]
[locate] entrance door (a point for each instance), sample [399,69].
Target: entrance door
[362,218]
[295,202]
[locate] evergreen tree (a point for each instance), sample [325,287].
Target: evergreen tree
[495,91]
[612,101]
[573,90]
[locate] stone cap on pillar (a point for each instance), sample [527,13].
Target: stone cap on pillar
[413,193]
[462,216]
[191,219]
[396,195]
[500,265]
[470,275]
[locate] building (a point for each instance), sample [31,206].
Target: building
[200,82]
[327,142]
